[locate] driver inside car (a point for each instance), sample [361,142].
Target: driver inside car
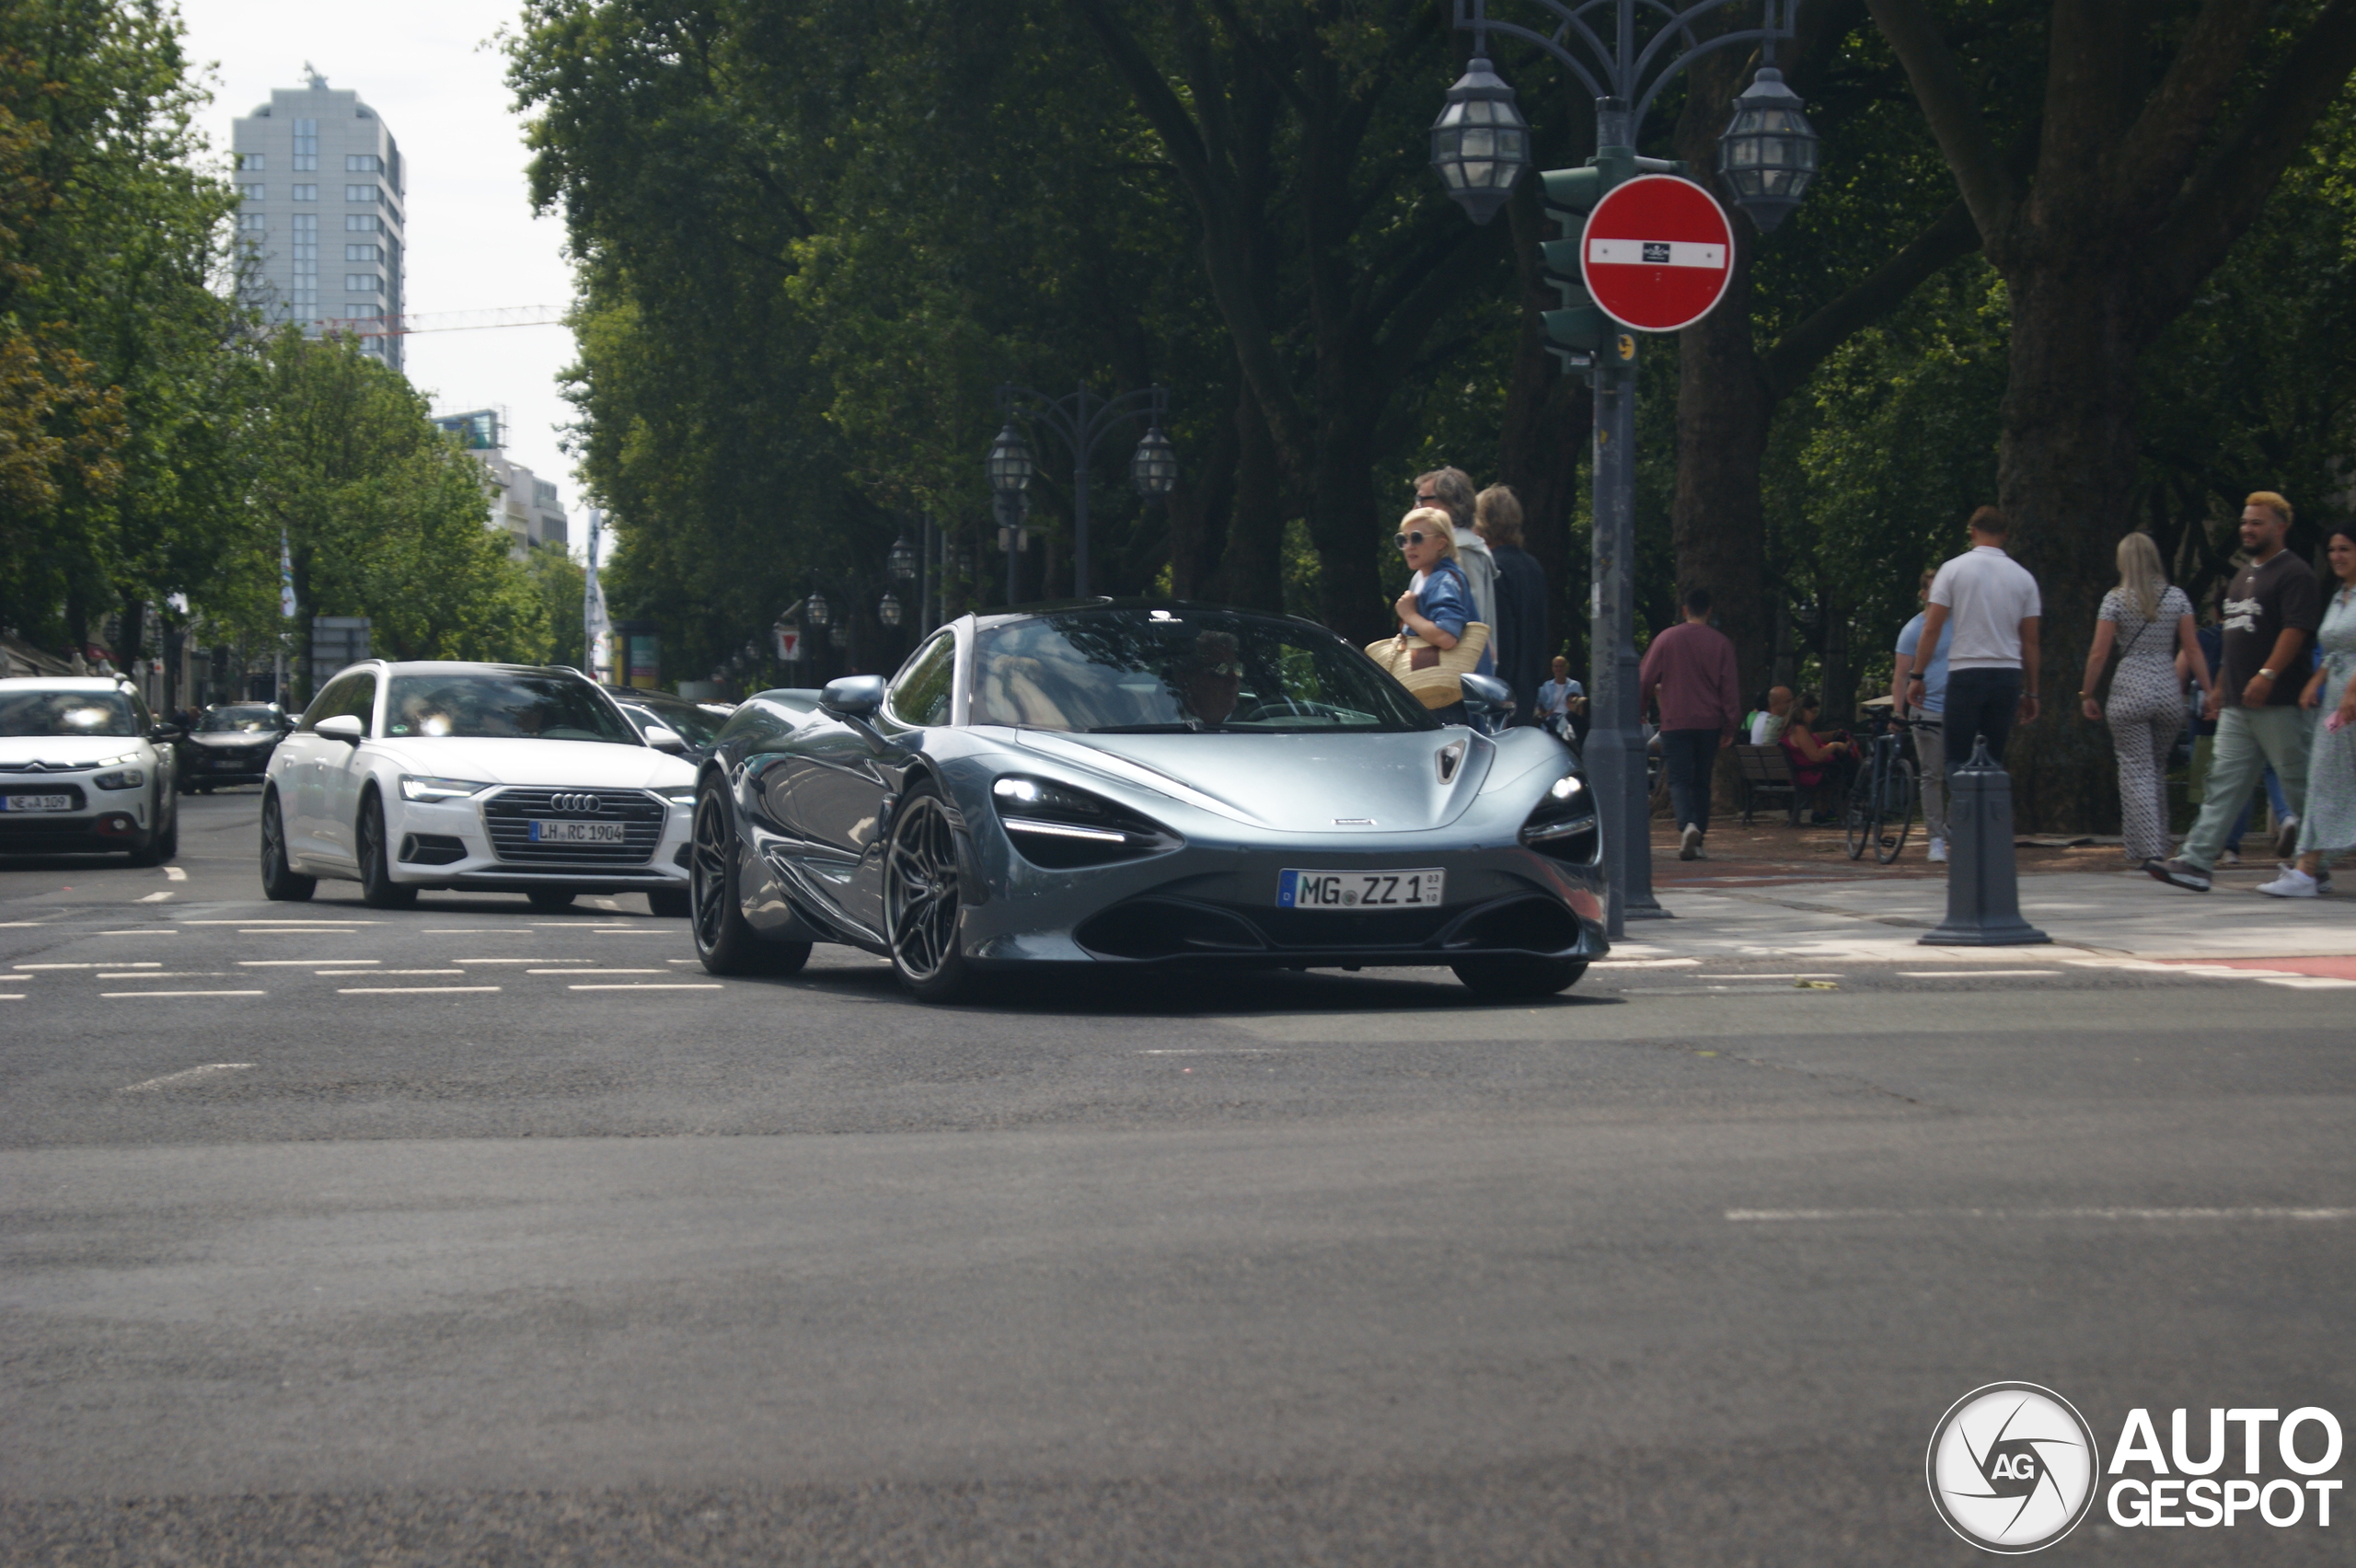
[1209,679]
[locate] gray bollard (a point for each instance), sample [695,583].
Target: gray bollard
[1983,889]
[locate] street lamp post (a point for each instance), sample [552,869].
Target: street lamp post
[1769,155]
[1082,420]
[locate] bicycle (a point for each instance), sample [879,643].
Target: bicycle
[1885,792]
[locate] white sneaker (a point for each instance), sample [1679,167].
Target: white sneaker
[1938,849]
[2292,883]
[1689,845]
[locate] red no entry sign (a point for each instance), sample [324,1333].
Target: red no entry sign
[1657,253]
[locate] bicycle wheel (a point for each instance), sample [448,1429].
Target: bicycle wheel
[1900,802]
[1860,818]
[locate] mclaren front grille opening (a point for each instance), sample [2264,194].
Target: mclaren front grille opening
[1154,928]
[1526,925]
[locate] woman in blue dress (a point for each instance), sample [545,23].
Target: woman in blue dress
[1438,605]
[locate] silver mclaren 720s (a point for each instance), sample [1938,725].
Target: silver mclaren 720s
[1130,785]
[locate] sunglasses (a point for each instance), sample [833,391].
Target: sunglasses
[1403,541]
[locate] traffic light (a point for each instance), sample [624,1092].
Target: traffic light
[1579,330]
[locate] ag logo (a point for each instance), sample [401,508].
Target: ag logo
[2012,1467]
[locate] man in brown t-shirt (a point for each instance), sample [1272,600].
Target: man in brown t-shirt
[2272,611]
[1688,672]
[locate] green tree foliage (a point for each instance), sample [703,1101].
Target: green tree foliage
[560,582]
[383,516]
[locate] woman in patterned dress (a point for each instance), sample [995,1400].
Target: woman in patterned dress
[2327,829]
[2149,620]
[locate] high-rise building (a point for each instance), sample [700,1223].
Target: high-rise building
[522,504]
[319,216]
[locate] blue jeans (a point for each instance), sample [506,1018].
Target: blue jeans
[1689,755]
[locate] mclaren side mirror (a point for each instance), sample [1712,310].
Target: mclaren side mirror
[1489,691]
[664,740]
[342,727]
[852,697]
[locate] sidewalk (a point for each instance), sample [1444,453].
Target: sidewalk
[1771,891]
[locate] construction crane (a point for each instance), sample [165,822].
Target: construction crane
[447,321]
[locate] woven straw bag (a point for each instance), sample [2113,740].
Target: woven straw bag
[1435,675]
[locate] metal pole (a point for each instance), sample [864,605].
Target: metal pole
[1616,742]
[1084,446]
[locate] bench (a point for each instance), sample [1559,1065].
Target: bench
[1761,770]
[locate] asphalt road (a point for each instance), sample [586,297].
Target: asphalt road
[469,1234]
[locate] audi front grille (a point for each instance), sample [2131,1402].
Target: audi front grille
[509,815]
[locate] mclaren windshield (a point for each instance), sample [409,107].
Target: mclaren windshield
[1179,671]
[503,705]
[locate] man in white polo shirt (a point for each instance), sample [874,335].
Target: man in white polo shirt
[1993,659]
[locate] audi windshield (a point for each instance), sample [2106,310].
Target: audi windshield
[504,706]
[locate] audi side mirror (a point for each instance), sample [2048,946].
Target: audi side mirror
[852,697]
[666,739]
[342,727]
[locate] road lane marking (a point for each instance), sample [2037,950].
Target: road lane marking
[1642,963]
[114,994]
[682,960]
[150,931]
[266,920]
[2307,981]
[132,963]
[153,897]
[187,1075]
[596,972]
[302,963]
[523,961]
[476,931]
[175,873]
[304,931]
[163,975]
[341,974]
[651,985]
[1972,973]
[2151,1215]
[408,990]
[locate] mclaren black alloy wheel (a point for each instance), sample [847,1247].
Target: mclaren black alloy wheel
[725,941]
[548,900]
[377,889]
[1505,979]
[922,898]
[280,885]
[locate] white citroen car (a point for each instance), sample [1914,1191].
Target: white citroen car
[84,766]
[404,777]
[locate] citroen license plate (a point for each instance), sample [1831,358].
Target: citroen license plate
[576,832]
[36,803]
[1360,889]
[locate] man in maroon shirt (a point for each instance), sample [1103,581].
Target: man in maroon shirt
[1688,672]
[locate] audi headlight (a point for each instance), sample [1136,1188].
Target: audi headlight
[1058,826]
[414,788]
[121,778]
[678,797]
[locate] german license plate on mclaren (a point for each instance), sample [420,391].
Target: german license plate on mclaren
[545,831]
[1360,889]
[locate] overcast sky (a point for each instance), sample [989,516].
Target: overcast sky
[426,66]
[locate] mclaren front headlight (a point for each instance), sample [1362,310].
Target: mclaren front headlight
[1562,823]
[1062,827]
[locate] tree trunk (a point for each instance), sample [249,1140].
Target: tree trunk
[1717,520]
[2066,475]
[1251,569]
[1343,515]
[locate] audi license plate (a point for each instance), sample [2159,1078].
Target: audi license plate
[576,832]
[1360,889]
[36,803]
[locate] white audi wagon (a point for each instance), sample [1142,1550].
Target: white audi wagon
[405,777]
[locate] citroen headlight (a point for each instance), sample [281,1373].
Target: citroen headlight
[414,788]
[121,778]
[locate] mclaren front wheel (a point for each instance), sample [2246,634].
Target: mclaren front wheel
[922,898]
